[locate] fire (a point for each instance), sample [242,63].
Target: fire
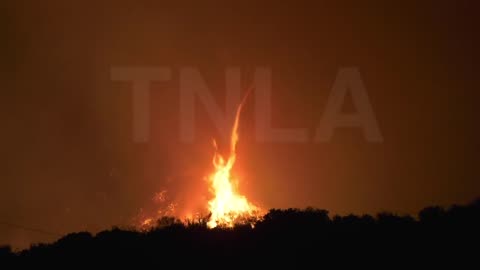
[228,207]
[147,222]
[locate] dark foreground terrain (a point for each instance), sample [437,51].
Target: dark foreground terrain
[309,238]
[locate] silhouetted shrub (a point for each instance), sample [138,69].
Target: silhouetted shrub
[289,235]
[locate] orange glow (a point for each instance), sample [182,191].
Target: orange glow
[147,222]
[228,207]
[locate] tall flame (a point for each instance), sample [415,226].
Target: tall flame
[228,207]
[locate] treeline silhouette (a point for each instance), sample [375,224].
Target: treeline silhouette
[309,236]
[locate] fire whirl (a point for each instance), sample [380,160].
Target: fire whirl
[228,207]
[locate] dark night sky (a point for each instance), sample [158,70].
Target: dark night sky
[68,160]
